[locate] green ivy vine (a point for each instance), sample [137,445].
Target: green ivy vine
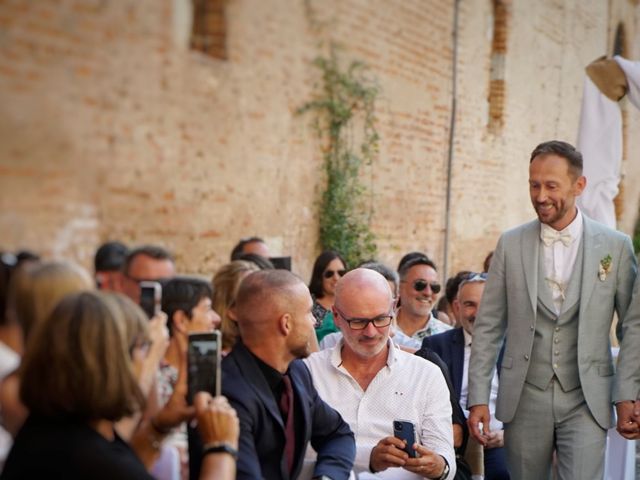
[345,124]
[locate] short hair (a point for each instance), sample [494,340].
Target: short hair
[561,149]
[183,293]
[452,285]
[238,250]
[136,321]
[36,288]
[154,251]
[263,263]
[110,257]
[78,365]
[226,282]
[388,273]
[410,256]
[416,260]
[262,289]
[319,266]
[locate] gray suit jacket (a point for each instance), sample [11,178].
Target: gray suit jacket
[509,306]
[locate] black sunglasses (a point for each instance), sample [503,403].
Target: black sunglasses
[420,285]
[330,273]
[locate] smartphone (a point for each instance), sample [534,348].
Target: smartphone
[203,364]
[150,298]
[405,430]
[281,263]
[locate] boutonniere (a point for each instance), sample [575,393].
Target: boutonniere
[605,268]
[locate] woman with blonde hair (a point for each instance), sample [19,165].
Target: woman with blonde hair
[33,292]
[226,282]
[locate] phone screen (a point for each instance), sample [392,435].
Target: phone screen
[203,357]
[404,430]
[150,297]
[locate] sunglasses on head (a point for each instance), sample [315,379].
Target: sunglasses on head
[420,285]
[473,277]
[330,273]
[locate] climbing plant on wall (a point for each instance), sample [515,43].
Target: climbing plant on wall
[344,104]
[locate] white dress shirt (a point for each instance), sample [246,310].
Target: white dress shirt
[559,259]
[408,388]
[464,388]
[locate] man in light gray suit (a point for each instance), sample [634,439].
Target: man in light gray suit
[552,290]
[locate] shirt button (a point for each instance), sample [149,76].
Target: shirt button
[526,357]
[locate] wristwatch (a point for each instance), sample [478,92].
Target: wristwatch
[445,472]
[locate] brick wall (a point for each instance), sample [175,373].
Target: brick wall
[110,128]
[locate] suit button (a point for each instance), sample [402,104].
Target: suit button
[557,352]
[556,340]
[526,357]
[555,365]
[531,328]
[557,329]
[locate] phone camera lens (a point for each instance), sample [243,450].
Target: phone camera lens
[398,426]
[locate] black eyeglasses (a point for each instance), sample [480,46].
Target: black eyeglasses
[361,323]
[420,285]
[330,273]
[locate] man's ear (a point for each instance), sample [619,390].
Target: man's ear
[180,321]
[456,307]
[284,324]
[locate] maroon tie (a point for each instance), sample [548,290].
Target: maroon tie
[286,407]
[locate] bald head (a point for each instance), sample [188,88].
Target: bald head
[360,286]
[264,296]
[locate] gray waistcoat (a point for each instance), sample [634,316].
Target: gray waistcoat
[555,345]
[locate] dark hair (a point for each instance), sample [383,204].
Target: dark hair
[320,265]
[487,262]
[183,293]
[410,256]
[453,284]
[154,251]
[562,149]
[110,257]
[388,273]
[263,263]
[8,262]
[27,256]
[238,250]
[421,259]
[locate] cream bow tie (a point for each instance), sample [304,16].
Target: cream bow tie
[549,236]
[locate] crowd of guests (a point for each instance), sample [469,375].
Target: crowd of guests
[95,388]
[363,372]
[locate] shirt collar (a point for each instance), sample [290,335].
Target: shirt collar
[467,338]
[574,228]
[336,354]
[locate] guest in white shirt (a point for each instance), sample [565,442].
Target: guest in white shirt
[372,383]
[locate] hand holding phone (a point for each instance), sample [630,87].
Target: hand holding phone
[203,364]
[405,430]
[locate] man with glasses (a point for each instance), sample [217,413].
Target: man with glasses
[454,348]
[372,384]
[146,263]
[419,289]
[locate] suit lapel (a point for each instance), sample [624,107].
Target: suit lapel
[530,251]
[593,252]
[457,360]
[258,383]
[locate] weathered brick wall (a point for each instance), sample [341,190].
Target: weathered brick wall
[110,128]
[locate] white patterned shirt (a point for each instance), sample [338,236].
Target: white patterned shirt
[408,388]
[433,327]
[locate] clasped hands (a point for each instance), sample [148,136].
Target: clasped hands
[389,453]
[628,419]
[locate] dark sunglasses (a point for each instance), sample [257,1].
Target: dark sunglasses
[330,273]
[380,321]
[420,285]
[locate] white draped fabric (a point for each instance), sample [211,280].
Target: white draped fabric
[600,141]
